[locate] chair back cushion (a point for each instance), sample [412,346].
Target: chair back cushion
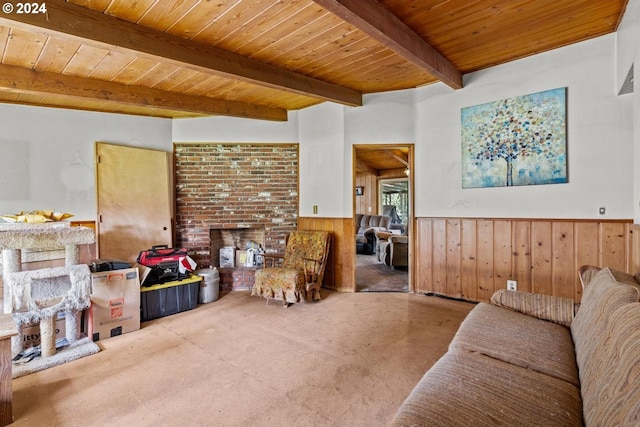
[367,221]
[305,244]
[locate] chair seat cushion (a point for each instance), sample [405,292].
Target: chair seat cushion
[283,284]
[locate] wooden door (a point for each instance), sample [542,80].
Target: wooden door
[135,203]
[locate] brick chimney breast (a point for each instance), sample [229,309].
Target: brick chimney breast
[223,186]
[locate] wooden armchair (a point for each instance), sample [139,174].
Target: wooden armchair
[300,275]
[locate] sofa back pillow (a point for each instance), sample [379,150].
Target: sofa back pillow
[601,297]
[615,395]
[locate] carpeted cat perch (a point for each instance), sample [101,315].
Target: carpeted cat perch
[37,296]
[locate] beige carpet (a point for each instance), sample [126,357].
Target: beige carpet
[82,348]
[374,276]
[348,360]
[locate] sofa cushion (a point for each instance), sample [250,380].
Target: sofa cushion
[519,339]
[601,297]
[470,389]
[546,307]
[614,398]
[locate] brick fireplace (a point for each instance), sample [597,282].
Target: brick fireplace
[236,237]
[227,194]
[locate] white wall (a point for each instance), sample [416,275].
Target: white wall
[383,118]
[599,133]
[47,142]
[600,140]
[323,179]
[628,41]
[320,132]
[326,134]
[628,53]
[232,129]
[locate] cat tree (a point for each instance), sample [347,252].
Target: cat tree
[39,295]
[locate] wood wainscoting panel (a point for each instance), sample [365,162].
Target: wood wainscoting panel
[635,245]
[454,257]
[439,264]
[503,253]
[486,253]
[340,272]
[541,256]
[614,244]
[471,258]
[423,264]
[521,243]
[587,234]
[469,261]
[563,245]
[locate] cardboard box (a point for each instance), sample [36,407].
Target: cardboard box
[31,332]
[241,258]
[115,303]
[227,257]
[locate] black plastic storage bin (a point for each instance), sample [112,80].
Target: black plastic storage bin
[169,298]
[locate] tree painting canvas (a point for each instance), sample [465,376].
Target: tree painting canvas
[515,141]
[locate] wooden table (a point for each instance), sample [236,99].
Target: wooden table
[7,330]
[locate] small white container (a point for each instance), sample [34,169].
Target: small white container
[210,287]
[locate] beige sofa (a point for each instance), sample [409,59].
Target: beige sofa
[526,360]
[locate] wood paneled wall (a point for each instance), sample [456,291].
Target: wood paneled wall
[370,197]
[635,248]
[340,273]
[470,258]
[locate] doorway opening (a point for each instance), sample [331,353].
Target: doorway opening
[383,203]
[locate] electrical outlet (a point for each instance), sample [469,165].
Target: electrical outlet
[512,285]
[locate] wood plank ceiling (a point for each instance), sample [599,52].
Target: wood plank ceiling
[262,58]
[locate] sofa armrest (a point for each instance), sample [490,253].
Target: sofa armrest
[383,234]
[398,238]
[586,273]
[546,307]
[373,230]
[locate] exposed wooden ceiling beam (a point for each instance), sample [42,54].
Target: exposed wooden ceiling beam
[375,20]
[24,79]
[97,28]
[363,167]
[101,108]
[400,156]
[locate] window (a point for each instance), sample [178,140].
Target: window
[395,192]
